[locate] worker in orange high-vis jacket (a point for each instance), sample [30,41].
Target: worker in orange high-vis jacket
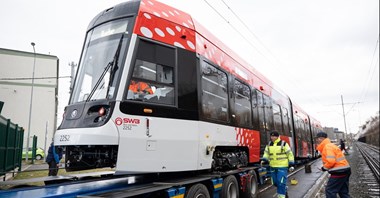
[140,87]
[336,164]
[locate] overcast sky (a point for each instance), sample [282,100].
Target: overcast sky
[315,51]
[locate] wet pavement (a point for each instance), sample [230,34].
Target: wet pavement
[308,185]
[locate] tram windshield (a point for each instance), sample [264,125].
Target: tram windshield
[100,65]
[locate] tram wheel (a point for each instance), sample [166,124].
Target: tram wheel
[230,188]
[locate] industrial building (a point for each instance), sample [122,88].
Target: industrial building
[16,87]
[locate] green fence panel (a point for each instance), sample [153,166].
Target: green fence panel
[10,147]
[3,148]
[11,143]
[19,145]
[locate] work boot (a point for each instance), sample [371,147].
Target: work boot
[281,196]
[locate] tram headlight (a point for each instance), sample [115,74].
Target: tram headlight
[102,111]
[98,113]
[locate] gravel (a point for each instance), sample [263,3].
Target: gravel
[362,181]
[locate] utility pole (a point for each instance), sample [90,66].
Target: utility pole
[72,76]
[31,103]
[344,116]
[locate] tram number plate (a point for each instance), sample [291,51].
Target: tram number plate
[127,127]
[64,138]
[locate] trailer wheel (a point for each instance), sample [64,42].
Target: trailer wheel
[252,187]
[230,188]
[197,191]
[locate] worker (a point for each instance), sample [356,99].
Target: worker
[336,164]
[53,158]
[343,146]
[280,156]
[140,87]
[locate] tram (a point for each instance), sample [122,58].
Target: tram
[156,92]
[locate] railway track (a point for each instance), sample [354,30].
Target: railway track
[371,155]
[370,173]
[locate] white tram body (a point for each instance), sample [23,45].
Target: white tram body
[205,108]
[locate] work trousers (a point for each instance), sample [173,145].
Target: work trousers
[279,179]
[53,168]
[338,184]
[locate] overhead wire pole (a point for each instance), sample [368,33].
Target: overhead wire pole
[31,104]
[72,76]
[344,116]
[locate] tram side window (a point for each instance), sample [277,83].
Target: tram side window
[298,126]
[255,110]
[268,113]
[153,74]
[214,93]
[307,130]
[302,127]
[285,121]
[277,118]
[242,104]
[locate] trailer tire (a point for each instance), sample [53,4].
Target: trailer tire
[252,187]
[198,191]
[230,187]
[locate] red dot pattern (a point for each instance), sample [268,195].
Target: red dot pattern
[166,24]
[163,23]
[251,139]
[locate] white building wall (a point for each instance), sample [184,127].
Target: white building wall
[16,68]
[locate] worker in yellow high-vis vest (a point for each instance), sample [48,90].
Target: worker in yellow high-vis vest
[280,156]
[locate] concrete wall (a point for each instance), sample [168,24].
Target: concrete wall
[16,68]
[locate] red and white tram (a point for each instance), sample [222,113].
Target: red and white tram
[156,92]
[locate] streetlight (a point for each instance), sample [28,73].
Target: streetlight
[31,103]
[344,115]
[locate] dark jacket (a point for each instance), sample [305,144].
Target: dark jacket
[54,153]
[342,145]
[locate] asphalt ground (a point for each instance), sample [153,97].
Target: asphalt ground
[308,184]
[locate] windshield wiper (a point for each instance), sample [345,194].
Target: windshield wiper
[113,65]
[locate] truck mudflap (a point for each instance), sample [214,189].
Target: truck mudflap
[262,171]
[217,183]
[176,192]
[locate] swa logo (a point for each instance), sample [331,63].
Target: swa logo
[119,121]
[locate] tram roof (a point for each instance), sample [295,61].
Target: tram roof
[175,27]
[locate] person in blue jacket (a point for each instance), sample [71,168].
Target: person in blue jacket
[53,158]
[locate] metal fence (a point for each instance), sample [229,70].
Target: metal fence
[11,142]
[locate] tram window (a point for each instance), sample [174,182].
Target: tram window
[298,126]
[302,128]
[145,70]
[268,113]
[242,104]
[307,130]
[153,74]
[255,110]
[277,117]
[214,93]
[285,121]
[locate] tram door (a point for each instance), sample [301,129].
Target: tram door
[263,134]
